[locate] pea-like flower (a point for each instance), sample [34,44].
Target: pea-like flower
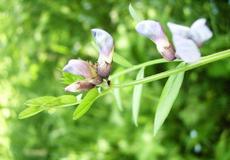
[106,46]
[186,40]
[93,73]
[154,31]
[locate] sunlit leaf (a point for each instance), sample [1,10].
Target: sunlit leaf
[137,92]
[121,60]
[64,101]
[116,92]
[30,111]
[36,105]
[87,102]
[167,98]
[133,13]
[40,101]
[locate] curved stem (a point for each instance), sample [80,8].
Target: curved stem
[135,67]
[205,60]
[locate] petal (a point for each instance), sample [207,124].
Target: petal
[186,49]
[105,43]
[154,31]
[80,67]
[150,29]
[179,30]
[200,32]
[79,86]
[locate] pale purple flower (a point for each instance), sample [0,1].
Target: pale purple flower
[154,31]
[93,73]
[105,44]
[186,40]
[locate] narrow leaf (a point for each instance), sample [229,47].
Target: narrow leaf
[167,98]
[121,60]
[116,92]
[137,91]
[133,13]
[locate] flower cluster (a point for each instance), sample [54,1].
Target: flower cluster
[93,73]
[186,40]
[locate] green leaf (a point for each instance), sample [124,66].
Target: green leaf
[87,102]
[137,91]
[63,101]
[68,78]
[30,111]
[133,13]
[121,60]
[116,92]
[167,98]
[40,101]
[36,105]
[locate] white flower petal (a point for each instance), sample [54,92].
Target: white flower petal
[178,29]
[200,32]
[79,67]
[186,49]
[105,43]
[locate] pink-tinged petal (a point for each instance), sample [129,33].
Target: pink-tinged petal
[154,31]
[80,67]
[179,30]
[105,43]
[79,86]
[186,49]
[200,32]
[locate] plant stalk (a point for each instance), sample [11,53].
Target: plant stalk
[204,60]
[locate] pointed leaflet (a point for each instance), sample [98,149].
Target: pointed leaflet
[137,91]
[121,60]
[87,102]
[116,92]
[36,105]
[167,98]
[133,13]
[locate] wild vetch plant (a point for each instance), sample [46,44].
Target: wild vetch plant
[91,80]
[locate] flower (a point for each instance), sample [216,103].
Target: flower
[186,40]
[106,46]
[93,73]
[154,31]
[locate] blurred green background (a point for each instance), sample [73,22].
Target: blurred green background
[38,37]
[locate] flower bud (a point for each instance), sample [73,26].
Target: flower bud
[79,86]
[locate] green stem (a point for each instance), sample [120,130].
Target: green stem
[156,61]
[203,61]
